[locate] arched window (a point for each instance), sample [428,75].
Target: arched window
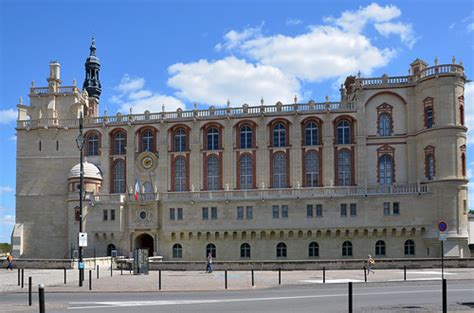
[212,168]
[463,164]
[380,248]
[385,169]
[429,121]
[281,250]
[119,142]
[461,114]
[343,132]
[211,248]
[92,144]
[313,249]
[119,177]
[245,250]
[311,162]
[110,247]
[180,138]
[177,251]
[430,170]
[409,247]
[148,141]
[212,139]
[246,172]
[344,168]
[347,248]
[180,174]
[279,171]
[279,135]
[246,136]
[311,134]
[385,124]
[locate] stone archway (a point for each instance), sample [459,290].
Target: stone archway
[145,241]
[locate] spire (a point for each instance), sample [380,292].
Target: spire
[92,81]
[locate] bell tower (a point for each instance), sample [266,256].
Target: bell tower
[92,82]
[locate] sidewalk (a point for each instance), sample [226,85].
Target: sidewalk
[200,281]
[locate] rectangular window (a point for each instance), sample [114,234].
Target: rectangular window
[276,213]
[309,210]
[205,213]
[106,215]
[319,210]
[396,208]
[284,211]
[112,215]
[386,208]
[353,209]
[343,209]
[240,212]
[249,212]
[464,204]
[180,213]
[172,214]
[213,213]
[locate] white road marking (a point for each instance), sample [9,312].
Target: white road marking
[116,304]
[331,281]
[430,273]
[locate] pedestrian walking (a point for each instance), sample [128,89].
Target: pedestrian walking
[209,263]
[370,263]
[10,262]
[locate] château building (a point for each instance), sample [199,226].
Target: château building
[371,173]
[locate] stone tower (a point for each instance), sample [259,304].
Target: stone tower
[92,82]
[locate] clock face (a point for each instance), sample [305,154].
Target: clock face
[147,162]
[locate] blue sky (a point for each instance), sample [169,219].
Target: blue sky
[175,53]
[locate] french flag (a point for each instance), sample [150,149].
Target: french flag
[137,189]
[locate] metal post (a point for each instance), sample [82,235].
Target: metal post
[19,276]
[65,279]
[324,275]
[159,279]
[279,276]
[111,268]
[365,274]
[30,284]
[80,145]
[253,280]
[22,277]
[350,297]
[445,297]
[404,272]
[90,279]
[225,275]
[442,259]
[121,269]
[41,298]
[130,268]
[98,271]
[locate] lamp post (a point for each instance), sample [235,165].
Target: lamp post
[80,146]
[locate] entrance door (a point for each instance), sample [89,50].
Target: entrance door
[145,241]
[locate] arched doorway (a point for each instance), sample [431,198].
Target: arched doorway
[145,241]
[110,248]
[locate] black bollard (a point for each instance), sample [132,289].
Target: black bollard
[30,291]
[130,268]
[324,275]
[225,275]
[19,277]
[111,269]
[90,279]
[41,298]
[22,278]
[279,276]
[350,297]
[445,297]
[253,280]
[365,274]
[65,279]
[159,279]
[404,272]
[98,271]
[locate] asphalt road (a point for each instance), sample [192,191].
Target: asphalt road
[371,297]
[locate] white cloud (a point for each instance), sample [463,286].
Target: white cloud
[231,78]
[129,84]
[405,31]
[12,138]
[355,21]
[293,21]
[6,189]
[134,96]
[234,38]
[469,111]
[470,27]
[8,116]
[324,52]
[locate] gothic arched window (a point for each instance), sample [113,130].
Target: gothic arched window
[313,249]
[245,250]
[380,248]
[347,248]
[281,250]
[211,248]
[177,251]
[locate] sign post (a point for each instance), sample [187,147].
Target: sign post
[442,228]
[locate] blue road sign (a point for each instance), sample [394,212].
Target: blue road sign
[442,226]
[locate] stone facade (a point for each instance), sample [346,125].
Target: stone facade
[372,173]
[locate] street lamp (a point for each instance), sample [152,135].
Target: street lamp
[80,145]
